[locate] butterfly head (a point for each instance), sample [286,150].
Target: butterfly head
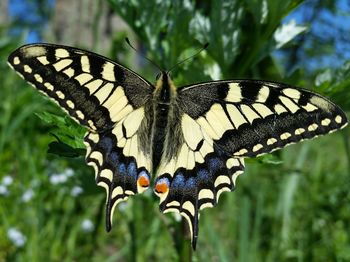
[162,76]
[165,87]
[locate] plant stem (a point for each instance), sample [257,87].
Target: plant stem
[186,249]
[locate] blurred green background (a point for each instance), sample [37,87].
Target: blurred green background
[292,205]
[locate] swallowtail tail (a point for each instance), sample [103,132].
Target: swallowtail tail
[193,138]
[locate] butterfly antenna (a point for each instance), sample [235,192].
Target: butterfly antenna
[190,57]
[145,57]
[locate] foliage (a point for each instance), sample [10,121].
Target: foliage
[289,206]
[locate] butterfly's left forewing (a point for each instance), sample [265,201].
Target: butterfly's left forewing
[110,100]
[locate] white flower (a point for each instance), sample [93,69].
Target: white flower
[3,190]
[68,172]
[87,225]
[7,180]
[58,178]
[286,32]
[76,191]
[61,177]
[16,237]
[27,195]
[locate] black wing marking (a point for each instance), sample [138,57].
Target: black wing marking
[247,118]
[107,98]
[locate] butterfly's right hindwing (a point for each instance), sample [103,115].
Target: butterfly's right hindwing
[121,158]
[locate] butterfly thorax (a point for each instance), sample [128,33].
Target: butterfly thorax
[163,98]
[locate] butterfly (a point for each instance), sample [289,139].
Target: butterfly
[193,138]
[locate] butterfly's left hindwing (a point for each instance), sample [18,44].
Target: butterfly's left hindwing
[107,98]
[186,185]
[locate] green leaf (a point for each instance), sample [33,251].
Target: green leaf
[62,149]
[51,118]
[65,129]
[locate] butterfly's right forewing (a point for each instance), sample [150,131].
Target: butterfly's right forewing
[93,90]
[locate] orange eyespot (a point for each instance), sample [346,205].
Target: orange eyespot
[143,181]
[161,187]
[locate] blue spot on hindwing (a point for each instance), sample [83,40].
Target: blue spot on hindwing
[132,169]
[122,169]
[191,183]
[114,157]
[106,143]
[214,164]
[203,174]
[179,180]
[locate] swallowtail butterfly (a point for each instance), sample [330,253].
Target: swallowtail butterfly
[193,139]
